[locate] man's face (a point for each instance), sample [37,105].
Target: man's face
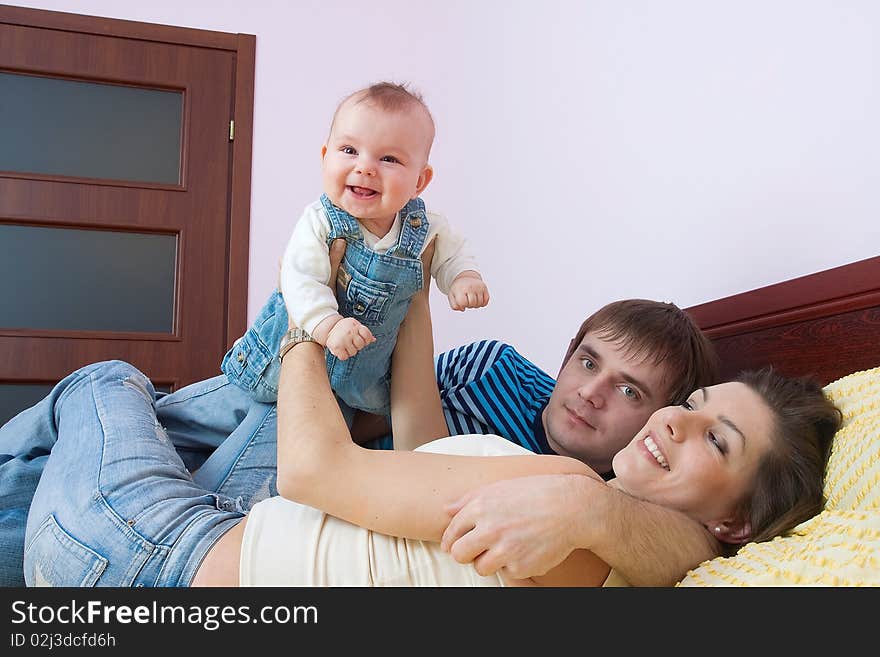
[601,400]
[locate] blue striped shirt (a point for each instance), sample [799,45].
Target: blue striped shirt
[487,387]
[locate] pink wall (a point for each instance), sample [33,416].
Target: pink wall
[592,151]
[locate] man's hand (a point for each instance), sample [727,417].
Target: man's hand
[337,252]
[520,525]
[468,291]
[347,336]
[427,258]
[343,336]
[529,525]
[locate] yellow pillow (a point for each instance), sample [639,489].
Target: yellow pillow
[841,545]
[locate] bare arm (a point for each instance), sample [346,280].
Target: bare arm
[397,493]
[649,545]
[416,410]
[527,526]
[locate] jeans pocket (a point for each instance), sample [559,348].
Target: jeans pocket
[55,558]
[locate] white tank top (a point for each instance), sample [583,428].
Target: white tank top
[289,544]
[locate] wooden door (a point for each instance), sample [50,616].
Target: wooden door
[124,197]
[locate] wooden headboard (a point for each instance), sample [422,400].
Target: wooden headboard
[825,325]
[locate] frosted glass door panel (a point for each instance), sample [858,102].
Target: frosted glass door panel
[86,280]
[62,127]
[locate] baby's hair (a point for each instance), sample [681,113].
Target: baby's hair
[387,96]
[390,96]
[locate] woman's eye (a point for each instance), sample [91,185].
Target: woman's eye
[716,443]
[687,405]
[390,158]
[348,150]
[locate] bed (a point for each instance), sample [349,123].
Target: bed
[826,325]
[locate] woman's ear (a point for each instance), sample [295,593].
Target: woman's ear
[426,176]
[735,532]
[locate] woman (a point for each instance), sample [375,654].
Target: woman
[745,459]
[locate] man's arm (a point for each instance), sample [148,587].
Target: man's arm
[529,525]
[650,545]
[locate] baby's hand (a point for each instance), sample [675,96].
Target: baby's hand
[468,291]
[348,337]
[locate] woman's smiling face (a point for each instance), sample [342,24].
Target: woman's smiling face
[699,458]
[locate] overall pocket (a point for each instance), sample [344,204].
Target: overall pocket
[366,300]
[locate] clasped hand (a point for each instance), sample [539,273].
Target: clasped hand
[519,526]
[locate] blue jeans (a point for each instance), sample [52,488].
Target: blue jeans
[196,419]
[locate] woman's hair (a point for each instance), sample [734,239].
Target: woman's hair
[788,487]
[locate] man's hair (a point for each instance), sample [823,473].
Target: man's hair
[660,333]
[388,96]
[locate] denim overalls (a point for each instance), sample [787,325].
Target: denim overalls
[374,288]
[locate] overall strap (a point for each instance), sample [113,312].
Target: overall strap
[413,230]
[342,224]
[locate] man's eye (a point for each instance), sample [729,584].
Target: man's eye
[390,158]
[629,391]
[588,364]
[348,150]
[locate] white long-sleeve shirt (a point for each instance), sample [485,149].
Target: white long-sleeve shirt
[305,267]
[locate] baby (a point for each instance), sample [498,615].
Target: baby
[374,166]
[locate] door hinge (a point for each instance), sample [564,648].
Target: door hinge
[231,130]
